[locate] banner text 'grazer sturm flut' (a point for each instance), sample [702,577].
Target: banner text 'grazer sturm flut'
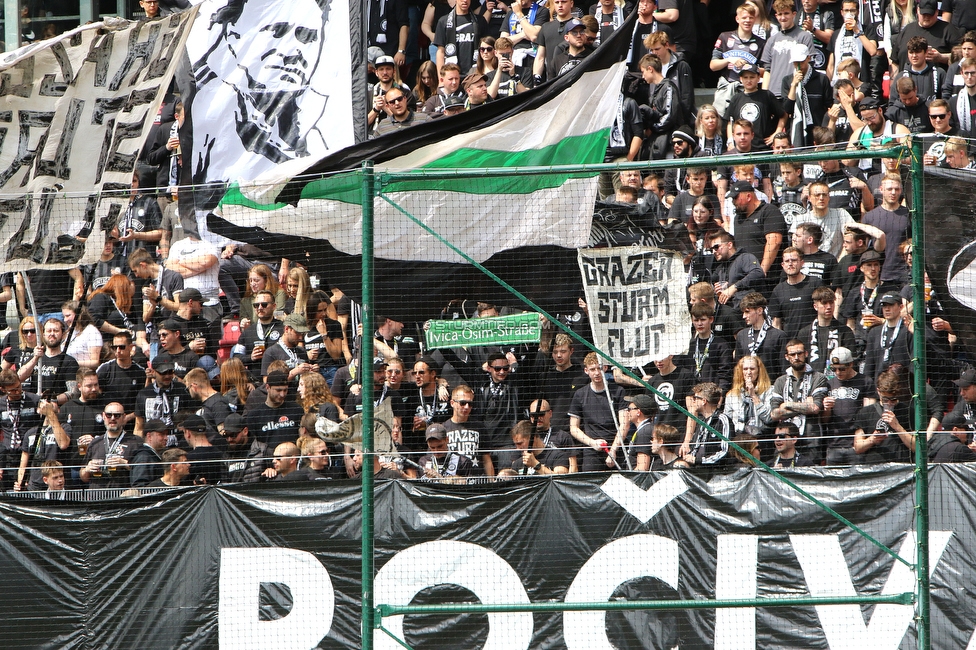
[499,330]
[636,301]
[252,566]
[74,115]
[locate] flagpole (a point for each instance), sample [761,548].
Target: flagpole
[37,323]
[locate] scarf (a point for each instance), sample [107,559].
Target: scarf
[617,20]
[174,160]
[452,49]
[963,112]
[848,46]
[802,117]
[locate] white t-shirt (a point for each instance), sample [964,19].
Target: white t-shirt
[206,283]
[81,344]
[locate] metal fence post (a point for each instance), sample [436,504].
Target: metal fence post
[366,379]
[921,417]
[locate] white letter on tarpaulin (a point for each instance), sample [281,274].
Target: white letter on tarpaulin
[644,504]
[467,565]
[826,573]
[628,558]
[736,563]
[242,570]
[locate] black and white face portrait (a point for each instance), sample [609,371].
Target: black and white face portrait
[277,68]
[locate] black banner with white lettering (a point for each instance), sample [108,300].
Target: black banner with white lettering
[259,566]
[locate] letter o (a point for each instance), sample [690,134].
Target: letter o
[467,565]
[636,556]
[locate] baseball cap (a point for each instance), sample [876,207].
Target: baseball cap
[891,298]
[869,103]
[453,101]
[155,425]
[163,366]
[739,187]
[383,60]
[572,24]
[374,53]
[927,7]
[379,363]
[966,379]
[234,423]
[436,432]
[643,402]
[297,322]
[171,325]
[841,355]
[956,421]
[749,67]
[195,423]
[190,294]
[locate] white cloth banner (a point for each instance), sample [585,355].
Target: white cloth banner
[636,301]
[74,114]
[273,86]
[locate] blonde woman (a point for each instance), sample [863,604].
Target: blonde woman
[747,403]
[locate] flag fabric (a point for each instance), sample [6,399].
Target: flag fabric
[554,209]
[76,111]
[272,85]
[507,223]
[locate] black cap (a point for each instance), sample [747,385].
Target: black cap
[190,294]
[749,67]
[162,366]
[870,103]
[155,425]
[171,325]
[277,378]
[927,7]
[739,187]
[644,402]
[194,423]
[891,298]
[956,421]
[234,423]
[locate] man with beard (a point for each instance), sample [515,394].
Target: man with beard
[18,415]
[55,367]
[121,376]
[110,454]
[161,399]
[798,397]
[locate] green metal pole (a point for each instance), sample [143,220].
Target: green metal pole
[921,416]
[366,381]
[633,605]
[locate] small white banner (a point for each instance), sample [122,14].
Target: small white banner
[636,300]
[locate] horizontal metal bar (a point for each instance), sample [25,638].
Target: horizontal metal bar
[383,611]
[387,176]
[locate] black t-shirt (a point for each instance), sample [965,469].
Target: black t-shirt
[819,264]
[56,371]
[274,426]
[848,397]
[123,384]
[761,108]
[638,50]
[46,449]
[892,450]
[125,445]
[198,327]
[85,418]
[847,274]
[465,439]
[593,410]
[682,32]
[551,458]
[821,341]
[316,341]
[751,231]
[292,356]
[794,304]
[163,404]
[639,441]
[18,358]
[269,335]
[51,289]
[464,45]
[207,463]
[103,310]
[677,385]
[769,347]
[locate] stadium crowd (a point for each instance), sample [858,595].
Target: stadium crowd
[182,358]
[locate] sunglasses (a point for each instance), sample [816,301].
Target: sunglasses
[940,116]
[716,247]
[501,368]
[113,416]
[262,305]
[396,100]
[29,331]
[463,402]
[119,347]
[487,49]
